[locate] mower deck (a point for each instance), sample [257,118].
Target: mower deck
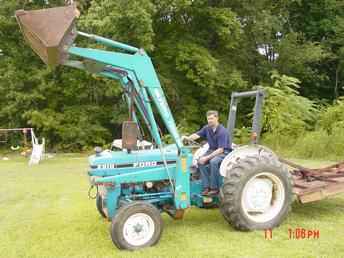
[316,184]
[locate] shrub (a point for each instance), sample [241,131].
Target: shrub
[285,111]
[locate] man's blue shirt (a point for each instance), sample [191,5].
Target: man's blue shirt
[217,139]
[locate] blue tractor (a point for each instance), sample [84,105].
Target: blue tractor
[134,184]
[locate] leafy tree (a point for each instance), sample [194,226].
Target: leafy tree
[321,21]
[70,108]
[202,51]
[285,111]
[332,117]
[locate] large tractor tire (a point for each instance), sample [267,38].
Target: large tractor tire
[136,225]
[256,192]
[99,205]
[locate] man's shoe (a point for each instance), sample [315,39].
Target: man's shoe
[214,192]
[205,191]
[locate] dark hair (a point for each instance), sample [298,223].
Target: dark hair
[212,112]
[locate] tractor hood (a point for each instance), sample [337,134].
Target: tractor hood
[108,162]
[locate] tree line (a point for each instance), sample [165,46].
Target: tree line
[202,51]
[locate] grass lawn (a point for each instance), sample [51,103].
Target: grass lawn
[45,212]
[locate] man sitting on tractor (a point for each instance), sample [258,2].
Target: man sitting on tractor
[209,164]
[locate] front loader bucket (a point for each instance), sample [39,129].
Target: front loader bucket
[49,32]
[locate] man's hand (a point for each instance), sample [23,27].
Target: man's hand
[185,138]
[203,160]
[192,137]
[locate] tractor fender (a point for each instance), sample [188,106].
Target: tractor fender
[244,151]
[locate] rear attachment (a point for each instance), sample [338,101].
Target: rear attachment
[316,184]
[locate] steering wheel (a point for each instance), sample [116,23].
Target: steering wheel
[191,143]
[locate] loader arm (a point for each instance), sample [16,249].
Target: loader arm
[137,71]
[132,67]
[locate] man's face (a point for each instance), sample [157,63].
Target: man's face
[212,120]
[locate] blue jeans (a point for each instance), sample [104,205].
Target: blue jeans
[210,172]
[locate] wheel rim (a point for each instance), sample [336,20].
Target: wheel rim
[263,197]
[138,229]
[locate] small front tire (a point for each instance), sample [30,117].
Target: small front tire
[99,204]
[136,225]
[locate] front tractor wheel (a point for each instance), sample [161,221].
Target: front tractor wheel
[136,225]
[99,205]
[256,194]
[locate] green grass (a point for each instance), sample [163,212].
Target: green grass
[45,212]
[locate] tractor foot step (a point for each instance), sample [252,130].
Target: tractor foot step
[173,213]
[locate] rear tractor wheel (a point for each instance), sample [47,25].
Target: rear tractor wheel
[256,193]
